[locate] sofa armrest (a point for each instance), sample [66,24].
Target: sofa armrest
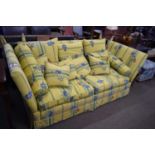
[133,58]
[19,78]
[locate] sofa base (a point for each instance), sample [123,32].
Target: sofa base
[68,110]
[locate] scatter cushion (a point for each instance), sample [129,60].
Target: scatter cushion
[47,49]
[70,49]
[25,56]
[93,46]
[42,61]
[98,66]
[56,75]
[39,87]
[36,79]
[33,73]
[73,73]
[105,82]
[104,55]
[82,66]
[120,66]
[52,50]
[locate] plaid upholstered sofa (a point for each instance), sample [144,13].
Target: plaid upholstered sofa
[61,79]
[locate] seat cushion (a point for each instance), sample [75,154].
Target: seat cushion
[106,82]
[45,101]
[96,45]
[62,95]
[56,75]
[82,88]
[74,50]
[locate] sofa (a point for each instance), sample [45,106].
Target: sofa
[62,79]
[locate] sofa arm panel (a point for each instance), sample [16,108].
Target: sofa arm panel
[133,58]
[19,78]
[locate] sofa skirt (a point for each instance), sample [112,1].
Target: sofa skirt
[68,110]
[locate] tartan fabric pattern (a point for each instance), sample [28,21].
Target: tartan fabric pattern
[82,66]
[46,49]
[73,73]
[106,82]
[133,58]
[67,110]
[81,95]
[31,69]
[119,65]
[93,46]
[19,78]
[82,88]
[99,63]
[57,75]
[74,50]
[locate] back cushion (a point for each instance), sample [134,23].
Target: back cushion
[96,45]
[24,55]
[117,49]
[73,49]
[47,49]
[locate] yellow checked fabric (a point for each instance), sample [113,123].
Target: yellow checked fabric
[120,66]
[82,66]
[81,95]
[82,88]
[42,60]
[133,58]
[73,73]
[56,75]
[93,46]
[47,49]
[19,78]
[70,49]
[98,66]
[31,69]
[70,109]
[106,82]
[46,101]
[24,55]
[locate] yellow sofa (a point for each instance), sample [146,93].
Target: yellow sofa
[86,92]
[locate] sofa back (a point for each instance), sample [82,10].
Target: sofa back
[130,56]
[19,77]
